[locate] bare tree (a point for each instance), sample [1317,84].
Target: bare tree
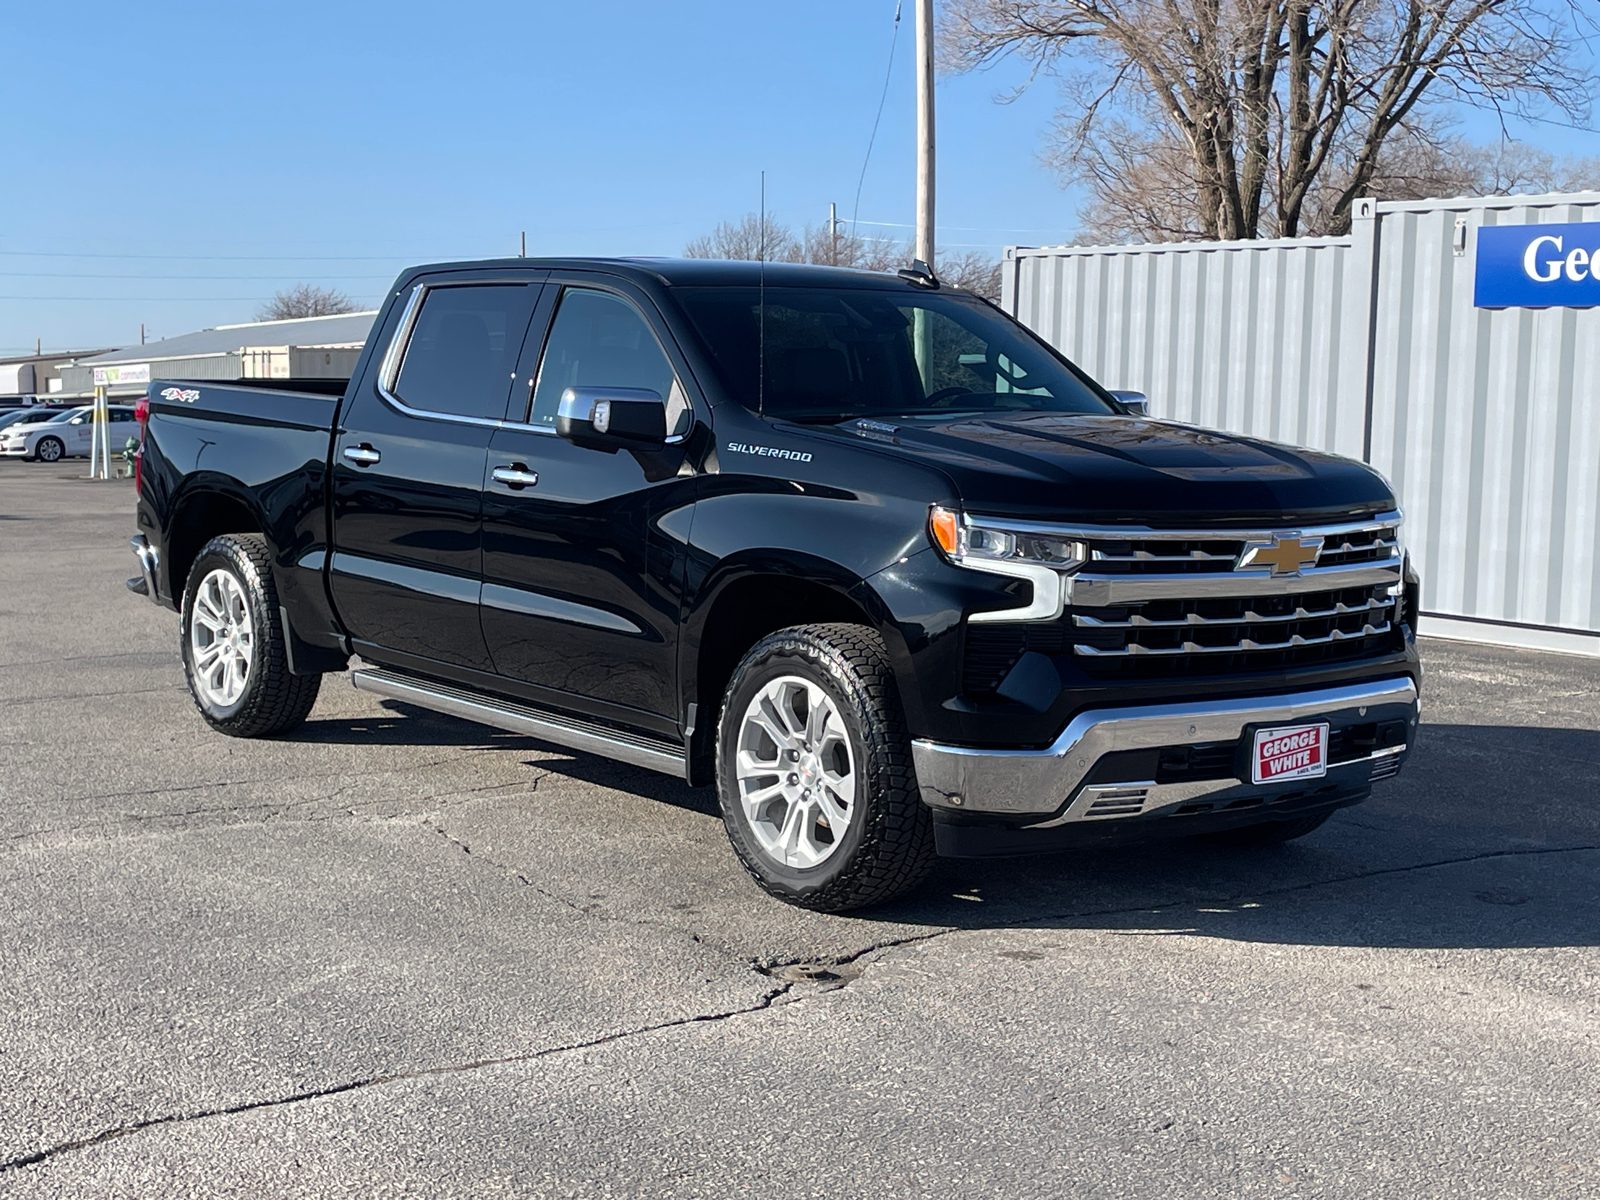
[305,300]
[834,247]
[746,239]
[1265,110]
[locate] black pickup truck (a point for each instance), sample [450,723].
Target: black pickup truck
[858,550]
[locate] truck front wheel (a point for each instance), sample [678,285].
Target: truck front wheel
[814,771]
[234,653]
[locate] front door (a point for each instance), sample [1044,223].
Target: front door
[580,595]
[408,463]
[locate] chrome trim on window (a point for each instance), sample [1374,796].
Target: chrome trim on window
[394,360]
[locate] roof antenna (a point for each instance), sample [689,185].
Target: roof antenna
[761,306]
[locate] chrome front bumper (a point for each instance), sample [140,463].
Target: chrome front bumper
[1047,787]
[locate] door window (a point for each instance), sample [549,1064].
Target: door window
[600,340]
[464,349]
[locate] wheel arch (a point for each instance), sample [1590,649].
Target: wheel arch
[748,599]
[206,507]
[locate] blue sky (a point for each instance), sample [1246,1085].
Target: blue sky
[177,163]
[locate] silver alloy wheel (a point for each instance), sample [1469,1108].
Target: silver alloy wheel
[221,638]
[49,450]
[796,772]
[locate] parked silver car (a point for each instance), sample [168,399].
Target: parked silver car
[63,434]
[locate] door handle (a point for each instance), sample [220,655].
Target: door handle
[362,455]
[516,476]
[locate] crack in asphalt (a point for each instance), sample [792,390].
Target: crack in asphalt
[766,1001]
[178,687]
[593,911]
[227,783]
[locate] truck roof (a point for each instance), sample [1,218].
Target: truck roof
[704,272]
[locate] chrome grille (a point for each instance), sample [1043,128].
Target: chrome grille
[1229,626]
[1152,604]
[1171,595]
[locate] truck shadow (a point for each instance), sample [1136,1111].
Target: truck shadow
[1490,838]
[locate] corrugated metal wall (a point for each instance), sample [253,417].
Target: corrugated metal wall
[1487,421]
[1253,337]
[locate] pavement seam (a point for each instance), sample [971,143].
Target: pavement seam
[767,1000]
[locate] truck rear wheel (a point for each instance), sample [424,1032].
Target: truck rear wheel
[814,771]
[234,654]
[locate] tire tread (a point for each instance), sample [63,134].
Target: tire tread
[897,849]
[278,700]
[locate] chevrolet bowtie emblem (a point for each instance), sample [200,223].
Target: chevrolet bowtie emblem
[1283,555]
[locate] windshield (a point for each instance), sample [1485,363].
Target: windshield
[835,353]
[67,416]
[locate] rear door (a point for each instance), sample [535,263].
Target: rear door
[581,592]
[408,464]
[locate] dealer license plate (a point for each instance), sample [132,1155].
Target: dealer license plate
[1291,752]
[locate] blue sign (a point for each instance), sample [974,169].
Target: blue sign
[1538,266]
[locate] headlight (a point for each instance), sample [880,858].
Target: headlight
[1015,549]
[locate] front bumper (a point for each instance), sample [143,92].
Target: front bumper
[1080,779]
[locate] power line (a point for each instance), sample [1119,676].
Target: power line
[887,75]
[158,278]
[227,257]
[964,228]
[151,299]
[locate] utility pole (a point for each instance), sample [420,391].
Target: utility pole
[925,131]
[524,253]
[141,333]
[833,234]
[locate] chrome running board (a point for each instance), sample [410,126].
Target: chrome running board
[571,732]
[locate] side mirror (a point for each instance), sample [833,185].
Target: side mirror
[1137,403]
[612,418]
[75,421]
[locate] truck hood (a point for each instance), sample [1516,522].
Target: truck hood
[1101,469]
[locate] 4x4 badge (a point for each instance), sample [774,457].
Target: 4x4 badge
[1283,555]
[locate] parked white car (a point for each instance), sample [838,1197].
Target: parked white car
[63,434]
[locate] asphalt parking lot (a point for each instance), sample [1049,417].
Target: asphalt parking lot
[401,954]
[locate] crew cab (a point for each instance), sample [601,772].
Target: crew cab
[858,550]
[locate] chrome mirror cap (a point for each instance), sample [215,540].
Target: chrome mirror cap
[1137,403]
[610,418]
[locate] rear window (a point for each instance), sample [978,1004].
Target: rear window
[465,346]
[831,354]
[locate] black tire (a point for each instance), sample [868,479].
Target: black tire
[49,449]
[1268,833]
[273,701]
[887,848]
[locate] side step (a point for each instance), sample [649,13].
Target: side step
[572,732]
